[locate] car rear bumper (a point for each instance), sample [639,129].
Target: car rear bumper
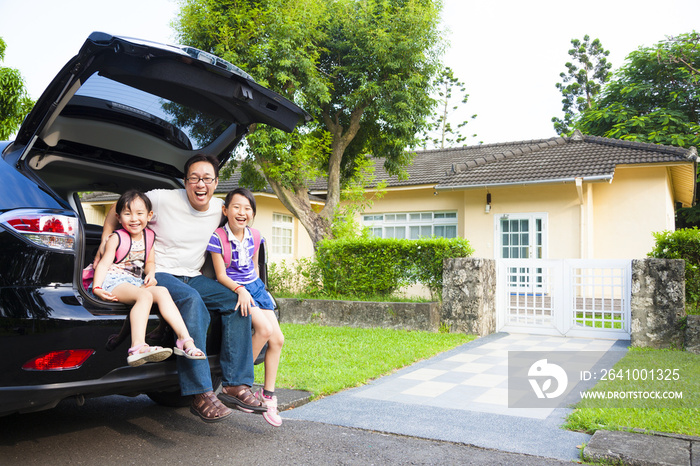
[130,381]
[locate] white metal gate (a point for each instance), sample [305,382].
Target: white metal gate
[572,297]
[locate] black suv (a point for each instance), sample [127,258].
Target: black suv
[122,114]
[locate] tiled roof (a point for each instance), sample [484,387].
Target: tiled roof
[534,161]
[431,166]
[233,182]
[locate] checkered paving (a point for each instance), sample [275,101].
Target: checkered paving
[474,379]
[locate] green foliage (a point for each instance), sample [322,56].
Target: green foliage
[653,98]
[361,68]
[325,360]
[688,217]
[681,416]
[367,268]
[683,244]
[356,200]
[583,80]
[299,277]
[15,104]
[383,265]
[440,130]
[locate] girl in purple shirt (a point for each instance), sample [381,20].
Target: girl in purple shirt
[242,277]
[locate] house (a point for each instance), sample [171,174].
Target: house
[576,197]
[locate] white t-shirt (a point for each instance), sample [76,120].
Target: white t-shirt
[182,233]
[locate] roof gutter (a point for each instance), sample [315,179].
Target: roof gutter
[599,178]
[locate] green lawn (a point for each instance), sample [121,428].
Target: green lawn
[325,360]
[679,371]
[599,319]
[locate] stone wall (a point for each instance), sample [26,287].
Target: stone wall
[658,303]
[692,334]
[405,316]
[469,295]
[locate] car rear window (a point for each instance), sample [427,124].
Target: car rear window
[108,100]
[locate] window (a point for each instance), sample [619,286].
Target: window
[522,236]
[282,228]
[412,225]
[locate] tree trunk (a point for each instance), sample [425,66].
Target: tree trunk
[318,224]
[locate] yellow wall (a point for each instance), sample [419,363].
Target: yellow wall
[301,241]
[626,212]
[616,220]
[558,203]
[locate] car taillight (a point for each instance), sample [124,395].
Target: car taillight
[45,228]
[59,360]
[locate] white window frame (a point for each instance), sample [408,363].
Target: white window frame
[523,278]
[537,240]
[411,225]
[277,240]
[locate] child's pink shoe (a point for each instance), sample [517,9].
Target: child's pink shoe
[141,354]
[191,352]
[272,416]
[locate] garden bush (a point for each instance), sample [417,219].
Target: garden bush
[295,277]
[367,267]
[683,244]
[371,266]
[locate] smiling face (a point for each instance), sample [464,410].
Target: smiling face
[134,217]
[200,193]
[239,213]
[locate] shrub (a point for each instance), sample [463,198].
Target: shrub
[683,244]
[370,266]
[301,276]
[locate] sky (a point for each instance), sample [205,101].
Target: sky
[509,53]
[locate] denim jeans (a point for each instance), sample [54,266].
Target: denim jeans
[193,296]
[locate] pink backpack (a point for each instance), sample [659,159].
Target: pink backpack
[226,251]
[122,251]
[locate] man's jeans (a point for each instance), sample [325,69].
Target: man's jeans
[193,296]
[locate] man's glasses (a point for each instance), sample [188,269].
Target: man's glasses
[196,179]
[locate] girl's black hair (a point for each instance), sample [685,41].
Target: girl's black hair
[243,192]
[130,196]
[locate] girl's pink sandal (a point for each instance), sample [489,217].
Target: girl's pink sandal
[143,353]
[189,353]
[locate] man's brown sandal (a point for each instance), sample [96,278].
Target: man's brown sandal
[208,407]
[240,397]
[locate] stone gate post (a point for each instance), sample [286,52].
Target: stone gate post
[469,295]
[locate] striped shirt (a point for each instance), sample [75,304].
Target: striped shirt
[242,269]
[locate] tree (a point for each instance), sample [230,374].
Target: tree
[654,97]
[583,80]
[361,68]
[686,54]
[14,101]
[440,130]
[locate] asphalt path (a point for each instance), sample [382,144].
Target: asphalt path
[120,430]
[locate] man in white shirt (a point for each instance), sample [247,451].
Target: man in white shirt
[184,220]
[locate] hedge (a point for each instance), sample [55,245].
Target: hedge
[683,244]
[370,266]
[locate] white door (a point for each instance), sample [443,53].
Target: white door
[522,236]
[526,279]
